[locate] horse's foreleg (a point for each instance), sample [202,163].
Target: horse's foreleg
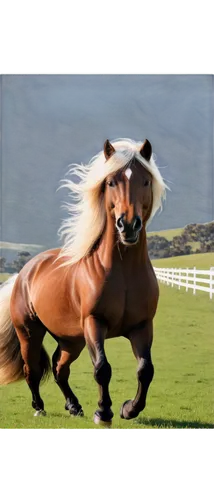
[95,333]
[141,341]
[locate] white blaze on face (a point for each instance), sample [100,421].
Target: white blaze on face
[128,173]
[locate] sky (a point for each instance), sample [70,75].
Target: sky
[51,121]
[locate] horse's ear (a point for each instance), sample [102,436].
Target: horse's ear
[146,150]
[108,150]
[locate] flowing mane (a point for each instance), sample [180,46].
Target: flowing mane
[87,214]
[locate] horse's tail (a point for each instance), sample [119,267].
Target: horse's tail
[11,362]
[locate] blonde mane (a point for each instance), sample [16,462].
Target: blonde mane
[86,210]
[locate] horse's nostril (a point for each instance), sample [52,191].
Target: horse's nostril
[120,224]
[137,224]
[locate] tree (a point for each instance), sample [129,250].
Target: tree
[2,264]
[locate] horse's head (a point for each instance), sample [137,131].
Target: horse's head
[129,194]
[122,182]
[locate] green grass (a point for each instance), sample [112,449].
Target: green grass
[180,396]
[4,277]
[199,260]
[167,233]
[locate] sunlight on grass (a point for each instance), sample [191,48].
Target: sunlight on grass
[169,234]
[199,260]
[180,396]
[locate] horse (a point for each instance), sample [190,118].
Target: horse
[99,285]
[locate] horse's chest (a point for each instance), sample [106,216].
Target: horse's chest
[141,301]
[111,300]
[127,301]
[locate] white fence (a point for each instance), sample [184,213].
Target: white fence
[194,279]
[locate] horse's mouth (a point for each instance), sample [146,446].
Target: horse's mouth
[132,240]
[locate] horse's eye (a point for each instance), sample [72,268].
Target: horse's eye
[147,183]
[111,183]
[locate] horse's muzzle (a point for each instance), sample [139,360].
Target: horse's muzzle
[129,232]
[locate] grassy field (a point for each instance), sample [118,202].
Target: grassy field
[167,233]
[181,394]
[4,277]
[199,260]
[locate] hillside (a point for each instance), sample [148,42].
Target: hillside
[166,233]
[51,121]
[200,261]
[9,250]
[192,239]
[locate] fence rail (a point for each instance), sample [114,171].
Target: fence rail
[189,278]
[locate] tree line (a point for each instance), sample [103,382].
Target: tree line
[184,244]
[16,265]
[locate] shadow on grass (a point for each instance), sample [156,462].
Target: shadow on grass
[173,424]
[155,423]
[59,415]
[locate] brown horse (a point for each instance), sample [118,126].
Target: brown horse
[100,285]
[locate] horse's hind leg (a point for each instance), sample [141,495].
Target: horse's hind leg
[36,361]
[64,355]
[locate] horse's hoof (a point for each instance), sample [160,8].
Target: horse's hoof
[127,411]
[104,423]
[76,412]
[99,420]
[39,413]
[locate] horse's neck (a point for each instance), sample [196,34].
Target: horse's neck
[110,248]
[136,255]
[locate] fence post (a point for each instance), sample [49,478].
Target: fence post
[194,280]
[167,276]
[179,286]
[172,277]
[186,279]
[211,281]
